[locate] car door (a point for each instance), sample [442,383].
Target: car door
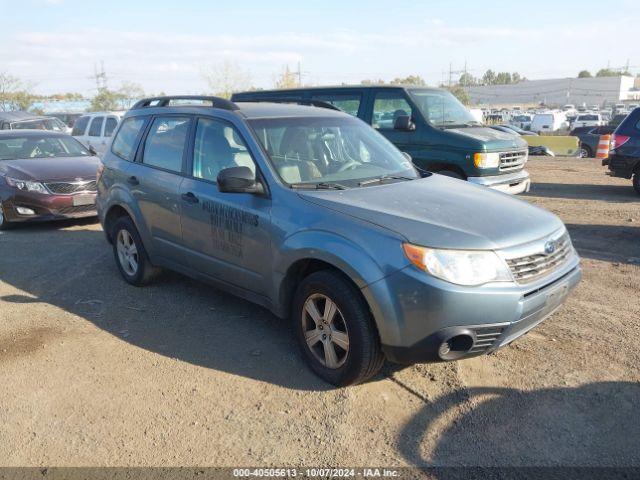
[387,106]
[154,180]
[225,235]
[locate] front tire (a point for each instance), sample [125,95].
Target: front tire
[585,152]
[4,223]
[130,255]
[335,329]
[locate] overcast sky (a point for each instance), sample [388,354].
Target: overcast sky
[165,45]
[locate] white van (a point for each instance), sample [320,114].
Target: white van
[95,129]
[549,122]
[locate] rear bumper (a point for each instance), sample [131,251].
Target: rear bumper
[512,183]
[622,166]
[486,338]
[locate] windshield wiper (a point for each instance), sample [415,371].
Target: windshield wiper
[319,186]
[383,178]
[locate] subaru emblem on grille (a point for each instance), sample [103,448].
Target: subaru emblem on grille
[549,247]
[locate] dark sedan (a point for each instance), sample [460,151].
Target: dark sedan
[624,157]
[45,176]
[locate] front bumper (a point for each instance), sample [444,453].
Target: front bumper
[512,183]
[416,313]
[45,207]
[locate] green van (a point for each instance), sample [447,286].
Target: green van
[429,124]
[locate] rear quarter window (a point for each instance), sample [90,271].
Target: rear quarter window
[80,126]
[126,139]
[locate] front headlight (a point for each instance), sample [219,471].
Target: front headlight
[486,160]
[462,267]
[26,185]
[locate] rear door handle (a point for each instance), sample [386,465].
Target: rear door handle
[189,197]
[133,181]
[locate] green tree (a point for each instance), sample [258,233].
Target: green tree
[106,99]
[415,80]
[287,79]
[607,72]
[489,78]
[584,74]
[467,80]
[370,81]
[459,92]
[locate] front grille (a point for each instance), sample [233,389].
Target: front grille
[69,188]
[512,160]
[76,210]
[486,337]
[532,267]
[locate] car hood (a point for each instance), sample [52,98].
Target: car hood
[492,140]
[43,169]
[442,212]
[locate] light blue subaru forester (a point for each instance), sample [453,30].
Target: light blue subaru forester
[314,215]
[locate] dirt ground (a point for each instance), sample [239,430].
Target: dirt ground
[96,372]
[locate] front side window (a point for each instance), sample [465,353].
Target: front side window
[165,143]
[125,142]
[441,109]
[217,146]
[96,127]
[110,126]
[80,126]
[328,149]
[40,147]
[387,107]
[348,103]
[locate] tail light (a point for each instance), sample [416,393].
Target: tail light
[618,140]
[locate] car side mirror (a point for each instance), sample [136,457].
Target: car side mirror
[404,122]
[93,151]
[238,180]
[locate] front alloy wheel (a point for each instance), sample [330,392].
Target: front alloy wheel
[130,255]
[325,331]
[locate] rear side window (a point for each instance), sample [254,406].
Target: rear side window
[165,143]
[125,142]
[80,126]
[387,107]
[110,126]
[96,127]
[348,103]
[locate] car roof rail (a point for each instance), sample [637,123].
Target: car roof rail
[299,101]
[152,102]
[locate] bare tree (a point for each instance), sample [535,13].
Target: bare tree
[130,92]
[226,78]
[287,79]
[14,93]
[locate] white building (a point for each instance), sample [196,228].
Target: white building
[557,92]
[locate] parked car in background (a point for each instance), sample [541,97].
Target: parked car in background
[45,176]
[67,118]
[589,138]
[538,150]
[314,215]
[617,119]
[549,122]
[522,121]
[27,121]
[624,157]
[96,129]
[430,125]
[516,129]
[587,120]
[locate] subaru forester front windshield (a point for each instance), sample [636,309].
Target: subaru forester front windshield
[329,151]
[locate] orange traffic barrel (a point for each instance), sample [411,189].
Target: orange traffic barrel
[603,146]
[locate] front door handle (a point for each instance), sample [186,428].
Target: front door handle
[189,197]
[133,181]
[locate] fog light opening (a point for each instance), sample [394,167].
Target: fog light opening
[455,347]
[25,211]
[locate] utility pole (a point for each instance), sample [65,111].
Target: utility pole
[100,77]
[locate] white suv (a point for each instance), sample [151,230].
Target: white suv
[95,129]
[588,120]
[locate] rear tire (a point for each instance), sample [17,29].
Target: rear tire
[585,152]
[636,182]
[130,255]
[331,315]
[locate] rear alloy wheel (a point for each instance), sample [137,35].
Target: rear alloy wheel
[636,182]
[585,152]
[130,255]
[335,329]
